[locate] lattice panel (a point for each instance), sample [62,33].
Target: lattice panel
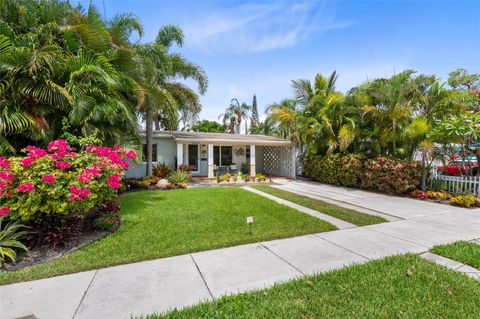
[278,161]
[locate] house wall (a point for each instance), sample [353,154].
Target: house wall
[259,151]
[166,153]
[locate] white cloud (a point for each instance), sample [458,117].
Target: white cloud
[258,27]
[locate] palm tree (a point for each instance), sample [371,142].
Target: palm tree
[61,62]
[165,98]
[234,114]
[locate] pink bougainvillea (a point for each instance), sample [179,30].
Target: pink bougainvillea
[4,211]
[131,155]
[25,187]
[27,161]
[114,181]
[63,180]
[6,176]
[77,193]
[63,165]
[4,163]
[48,179]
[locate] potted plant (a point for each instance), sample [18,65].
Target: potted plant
[244,168]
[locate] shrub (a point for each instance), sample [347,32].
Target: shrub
[464,200]
[11,233]
[226,177]
[351,170]
[245,177]
[260,177]
[162,170]
[107,221]
[179,178]
[59,181]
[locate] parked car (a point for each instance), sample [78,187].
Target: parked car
[459,166]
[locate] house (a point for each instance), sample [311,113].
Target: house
[210,153]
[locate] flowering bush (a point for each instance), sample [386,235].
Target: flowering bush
[59,181]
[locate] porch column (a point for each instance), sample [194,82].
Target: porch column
[179,154]
[252,161]
[210,161]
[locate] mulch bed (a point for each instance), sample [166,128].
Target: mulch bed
[42,254]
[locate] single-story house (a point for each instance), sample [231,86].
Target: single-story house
[206,153]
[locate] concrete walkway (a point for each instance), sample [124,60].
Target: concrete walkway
[163,284]
[340,224]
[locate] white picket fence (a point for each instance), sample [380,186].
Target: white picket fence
[456,184]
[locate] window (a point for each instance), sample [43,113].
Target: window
[222,155]
[193,156]
[154,153]
[247,153]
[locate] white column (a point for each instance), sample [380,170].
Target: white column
[252,160]
[179,154]
[210,161]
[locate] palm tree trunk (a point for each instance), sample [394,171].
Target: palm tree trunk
[157,122]
[149,138]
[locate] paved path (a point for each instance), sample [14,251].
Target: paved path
[340,224]
[159,285]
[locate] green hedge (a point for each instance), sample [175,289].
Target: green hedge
[379,174]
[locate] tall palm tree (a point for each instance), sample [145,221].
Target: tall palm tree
[166,99]
[234,115]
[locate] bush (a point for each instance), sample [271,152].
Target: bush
[351,170]
[226,177]
[464,200]
[179,178]
[260,177]
[162,170]
[59,181]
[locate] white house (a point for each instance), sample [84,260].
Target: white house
[208,153]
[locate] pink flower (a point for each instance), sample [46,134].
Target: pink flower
[27,161]
[26,187]
[4,211]
[77,193]
[4,163]
[63,165]
[131,154]
[114,181]
[48,179]
[7,176]
[61,148]
[35,152]
[117,148]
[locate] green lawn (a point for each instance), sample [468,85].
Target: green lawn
[166,223]
[348,215]
[396,287]
[462,251]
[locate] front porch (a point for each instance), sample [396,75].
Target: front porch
[210,160]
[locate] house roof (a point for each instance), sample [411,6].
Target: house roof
[221,138]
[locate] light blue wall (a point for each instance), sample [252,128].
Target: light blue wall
[166,153]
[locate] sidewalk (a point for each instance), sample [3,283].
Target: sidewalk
[159,285]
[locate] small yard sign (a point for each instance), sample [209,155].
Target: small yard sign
[249,219]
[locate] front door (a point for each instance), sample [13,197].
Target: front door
[193,158]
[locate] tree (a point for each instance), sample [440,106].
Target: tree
[462,80]
[59,62]
[234,115]
[208,126]
[255,118]
[165,98]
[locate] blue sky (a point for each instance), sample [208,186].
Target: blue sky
[258,47]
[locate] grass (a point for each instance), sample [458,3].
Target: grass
[396,287]
[462,251]
[349,215]
[166,223]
